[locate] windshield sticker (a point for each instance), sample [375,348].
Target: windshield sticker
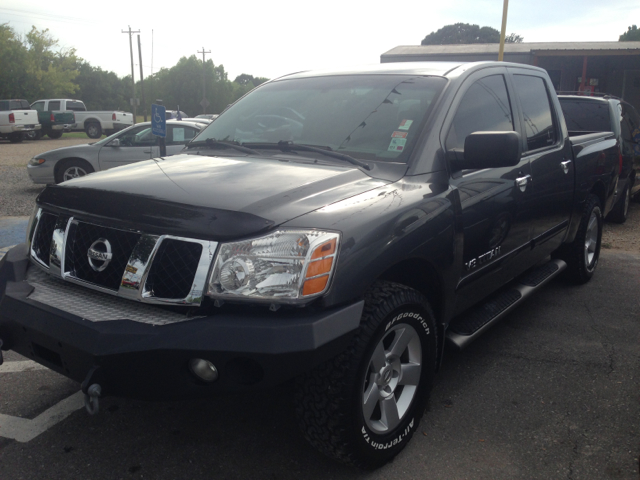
[405,124]
[397,144]
[399,135]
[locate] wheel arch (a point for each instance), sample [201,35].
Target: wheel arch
[64,161]
[422,276]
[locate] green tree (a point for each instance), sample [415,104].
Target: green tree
[465,33]
[13,64]
[631,35]
[51,71]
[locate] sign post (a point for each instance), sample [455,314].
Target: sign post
[159,126]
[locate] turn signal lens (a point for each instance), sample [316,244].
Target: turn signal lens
[319,267]
[315,285]
[326,249]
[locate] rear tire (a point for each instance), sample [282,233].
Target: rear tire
[93,130]
[54,134]
[583,253]
[33,135]
[621,209]
[16,137]
[363,406]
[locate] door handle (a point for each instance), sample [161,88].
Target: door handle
[523,181]
[565,166]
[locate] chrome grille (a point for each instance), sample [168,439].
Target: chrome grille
[156,269]
[41,243]
[81,236]
[173,269]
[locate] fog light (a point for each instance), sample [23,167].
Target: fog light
[203,369]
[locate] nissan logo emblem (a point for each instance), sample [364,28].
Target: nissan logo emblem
[99,254]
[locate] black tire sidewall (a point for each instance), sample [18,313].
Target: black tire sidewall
[98,130]
[379,448]
[59,175]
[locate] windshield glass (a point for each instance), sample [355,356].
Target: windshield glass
[372,117]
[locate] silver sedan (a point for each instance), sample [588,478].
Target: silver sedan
[131,145]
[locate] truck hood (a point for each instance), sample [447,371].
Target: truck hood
[216,198]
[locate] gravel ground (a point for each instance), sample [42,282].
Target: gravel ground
[18,192]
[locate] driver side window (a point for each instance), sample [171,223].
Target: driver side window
[138,137]
[485,107]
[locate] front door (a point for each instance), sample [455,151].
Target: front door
[134,145]
[495,223]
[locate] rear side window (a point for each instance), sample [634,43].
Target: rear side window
[630,124]
[585,116]
[4,105]
[54,105]
[485,107]
[75,106]
[536,108]
[39,106]
[179,135]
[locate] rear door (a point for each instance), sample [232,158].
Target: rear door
[496,226]
[548,150]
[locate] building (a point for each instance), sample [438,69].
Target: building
[607,67]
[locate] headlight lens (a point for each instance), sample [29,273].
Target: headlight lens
[286,266]
[36,161]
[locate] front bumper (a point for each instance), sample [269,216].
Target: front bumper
[149,359]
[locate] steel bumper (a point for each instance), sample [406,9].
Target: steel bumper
[251,348]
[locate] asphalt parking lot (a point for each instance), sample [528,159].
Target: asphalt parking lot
[551,392]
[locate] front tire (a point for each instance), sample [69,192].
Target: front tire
[583,253]
[72,168]
[362,407]
[33,135]
[93,130]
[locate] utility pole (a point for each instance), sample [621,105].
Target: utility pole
[133,80]
[503,31]
[144,104]
[204,102]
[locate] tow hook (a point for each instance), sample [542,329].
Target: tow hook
[92,399]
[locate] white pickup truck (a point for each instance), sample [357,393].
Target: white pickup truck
[93,123]
[16,119]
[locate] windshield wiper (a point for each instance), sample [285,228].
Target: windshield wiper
[213,143]
[287,146]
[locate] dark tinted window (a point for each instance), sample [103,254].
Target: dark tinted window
[536,108]
[19,105]
[630,125]
[39,106]
[485,107]
[76,106]
[585,116]
[54,105]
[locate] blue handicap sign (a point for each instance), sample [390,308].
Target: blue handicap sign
[158,120]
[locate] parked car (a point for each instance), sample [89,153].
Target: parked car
[204,121]
[175,114]
[53,120]
[93,123]
[133,144]
[336,227]
[17,119]
[210,116]
[585,114]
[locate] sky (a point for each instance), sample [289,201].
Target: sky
[269,39]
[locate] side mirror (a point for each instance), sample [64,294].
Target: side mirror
[490,150]
[115,142]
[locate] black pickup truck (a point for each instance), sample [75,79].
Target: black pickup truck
[336,228]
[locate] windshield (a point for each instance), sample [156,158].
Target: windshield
[372,117]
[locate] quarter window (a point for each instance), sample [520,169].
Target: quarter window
[536,107]
[485,107]
[54,106]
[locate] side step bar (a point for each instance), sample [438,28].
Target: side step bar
[466,328]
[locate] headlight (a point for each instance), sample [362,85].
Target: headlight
[36,161]
[287,266]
